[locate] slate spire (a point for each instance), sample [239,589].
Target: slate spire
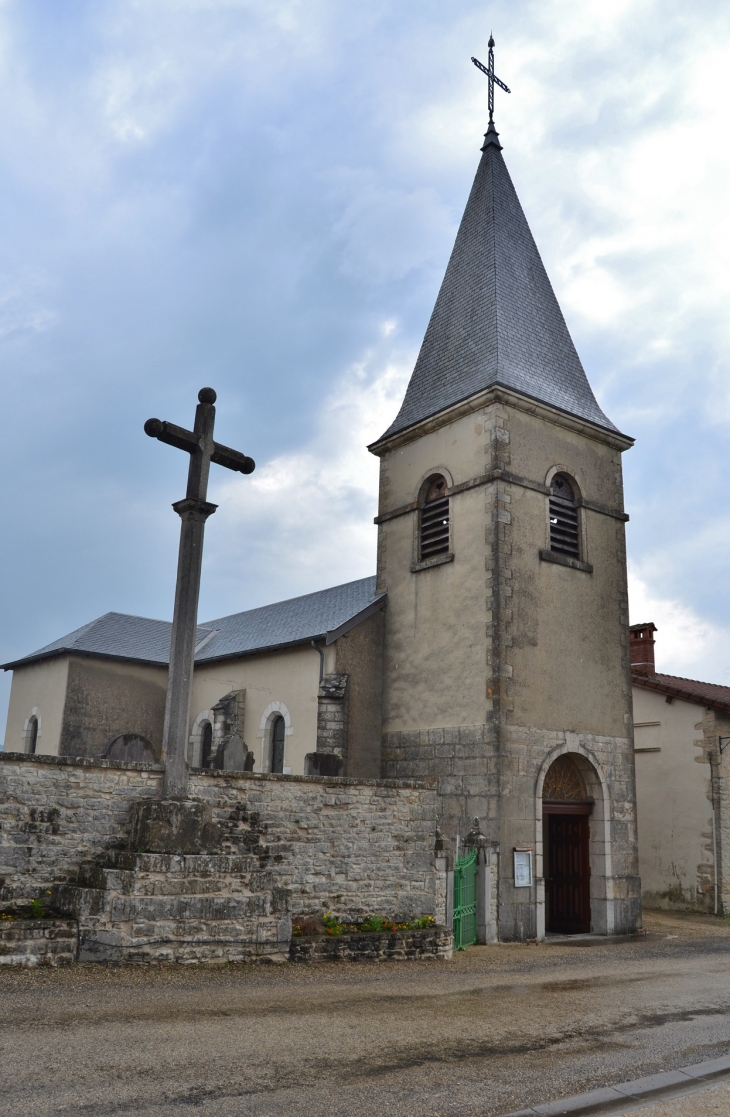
[496,320]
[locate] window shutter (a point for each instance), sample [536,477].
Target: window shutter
[434,538]
[564,533]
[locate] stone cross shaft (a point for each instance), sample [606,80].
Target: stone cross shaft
[491,76]
[193,512]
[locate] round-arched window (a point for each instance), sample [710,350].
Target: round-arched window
[32,734]
[278,735]
[206,745]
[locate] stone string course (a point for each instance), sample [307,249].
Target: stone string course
[359,847]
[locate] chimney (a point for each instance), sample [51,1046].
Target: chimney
[642,648]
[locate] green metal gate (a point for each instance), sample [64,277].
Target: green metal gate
[465,900]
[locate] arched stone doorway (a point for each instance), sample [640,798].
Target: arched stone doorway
[567,805]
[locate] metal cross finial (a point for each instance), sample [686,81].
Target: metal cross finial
[489,71]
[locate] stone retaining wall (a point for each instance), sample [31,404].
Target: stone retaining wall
[397,946]
[38,942]
[356,847]
[359,847]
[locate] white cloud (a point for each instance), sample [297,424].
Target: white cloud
[686,643]
[309,513]
[386,233]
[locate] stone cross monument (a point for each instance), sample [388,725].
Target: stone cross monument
[193,512]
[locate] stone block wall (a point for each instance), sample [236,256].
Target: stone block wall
[359,847]
[332,719]
[500,787]
[436,942]
[462,758]
[56,812]
[38,942]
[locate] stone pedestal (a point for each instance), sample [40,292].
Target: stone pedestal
[177,826]
[158,907]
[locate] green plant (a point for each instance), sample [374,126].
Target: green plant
[331,925]
[37,909]
[379,923]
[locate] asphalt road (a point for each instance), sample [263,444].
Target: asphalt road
[499,1028]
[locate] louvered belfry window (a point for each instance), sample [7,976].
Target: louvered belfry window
[564,531]
[434,537]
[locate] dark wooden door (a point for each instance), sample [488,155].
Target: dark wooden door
[569,875]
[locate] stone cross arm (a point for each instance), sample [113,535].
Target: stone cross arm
[187,440]
[200,445]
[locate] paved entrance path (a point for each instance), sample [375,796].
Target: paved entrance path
[499,1029]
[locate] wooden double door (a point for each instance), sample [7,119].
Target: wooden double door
[568,871]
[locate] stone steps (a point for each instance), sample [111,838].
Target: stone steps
[178,879]
[150,907]
[195,864]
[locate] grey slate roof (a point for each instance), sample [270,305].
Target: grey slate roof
[496,318]
[114,634]
[286,622]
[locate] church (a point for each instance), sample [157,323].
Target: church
[488,656]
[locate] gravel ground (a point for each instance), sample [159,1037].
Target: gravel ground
[499,1028]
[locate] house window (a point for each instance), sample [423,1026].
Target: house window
[434,526]
[564,528]
[32,734]
[206,745]
[278,731]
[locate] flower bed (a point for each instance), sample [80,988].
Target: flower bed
[328,924]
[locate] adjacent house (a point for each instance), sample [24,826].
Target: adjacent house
[681,730]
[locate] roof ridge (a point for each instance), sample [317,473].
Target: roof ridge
[686,679]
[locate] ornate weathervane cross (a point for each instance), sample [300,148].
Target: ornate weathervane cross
[492,77]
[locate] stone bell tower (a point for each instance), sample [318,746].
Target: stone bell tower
[501,547]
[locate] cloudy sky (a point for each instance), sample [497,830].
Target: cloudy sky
[261,195]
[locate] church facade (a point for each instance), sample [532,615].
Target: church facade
[490,654]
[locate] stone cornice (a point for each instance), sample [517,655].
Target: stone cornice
[498,394]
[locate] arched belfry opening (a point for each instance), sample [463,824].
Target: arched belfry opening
[566,811]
